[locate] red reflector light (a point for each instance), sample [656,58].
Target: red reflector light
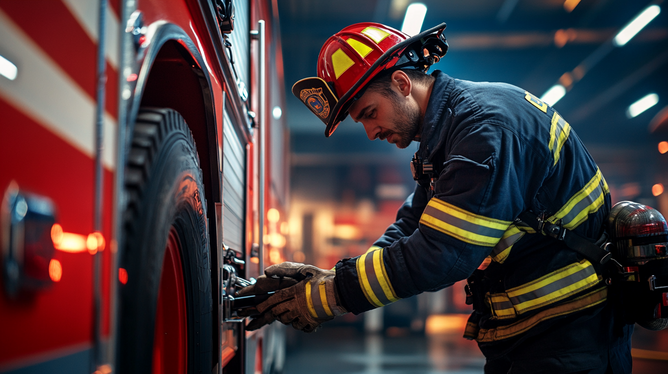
[71,243]
[95,242]
[122,276]
[56,234]
[650,228]
[55,270]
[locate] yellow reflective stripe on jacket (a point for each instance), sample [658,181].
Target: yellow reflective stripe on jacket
[323,299]
[586,201]
[583,302]
[559,132]
[373,248]
[513,234]
[545,290]
[373,278]
[309,301]
[471,330]
[463,225]
[316,301]
[502,307]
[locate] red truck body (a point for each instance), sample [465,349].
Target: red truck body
[67,135]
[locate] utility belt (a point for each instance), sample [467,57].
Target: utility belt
[631,256]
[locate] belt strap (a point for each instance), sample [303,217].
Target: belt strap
[586,248]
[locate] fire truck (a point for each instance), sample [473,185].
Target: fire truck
[144,180]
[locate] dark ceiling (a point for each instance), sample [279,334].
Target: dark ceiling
[515,41]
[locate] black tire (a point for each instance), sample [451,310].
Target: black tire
[164,190]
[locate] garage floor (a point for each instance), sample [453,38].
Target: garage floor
[339,348]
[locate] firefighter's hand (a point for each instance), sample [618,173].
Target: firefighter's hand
[312,301]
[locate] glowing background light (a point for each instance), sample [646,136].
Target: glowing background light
[95,242]
[637,24]
[414,17]
[76,243]
[445,323]
[55,270]
[56,234]
[569,5]
[273,215]
[554,94]
[299,256]
[8,69]
[71,243]
[277,240]
[642,105]
[275,256]
[122,276]
[657,189]
[663,147]
[277,112]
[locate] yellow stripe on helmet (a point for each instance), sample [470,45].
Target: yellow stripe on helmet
[341,62]
[376,34]
[359,47]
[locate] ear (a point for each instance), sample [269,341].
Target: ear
[401,82]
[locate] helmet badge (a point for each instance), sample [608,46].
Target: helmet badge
[316,101]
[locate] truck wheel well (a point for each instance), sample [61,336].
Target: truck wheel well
[177,82]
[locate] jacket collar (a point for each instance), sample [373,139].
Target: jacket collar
[432,125]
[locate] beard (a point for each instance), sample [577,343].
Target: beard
[407,123]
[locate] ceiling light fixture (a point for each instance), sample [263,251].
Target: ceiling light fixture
[637,24]
[8,69]
[413,19]
[554,94]
[642,105]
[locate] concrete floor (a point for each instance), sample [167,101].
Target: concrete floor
[339,348]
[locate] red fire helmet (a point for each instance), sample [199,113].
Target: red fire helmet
[351,58]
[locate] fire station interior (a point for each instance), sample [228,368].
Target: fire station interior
[602,64]
[346,189]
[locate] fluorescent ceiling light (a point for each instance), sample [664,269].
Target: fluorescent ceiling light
[642,105]
[8,69]
[414,17]
[637,24]
[554,94]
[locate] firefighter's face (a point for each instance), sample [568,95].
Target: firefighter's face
[393,117]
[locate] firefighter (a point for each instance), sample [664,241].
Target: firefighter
[487,153]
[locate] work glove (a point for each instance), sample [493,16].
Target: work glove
[305,305]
